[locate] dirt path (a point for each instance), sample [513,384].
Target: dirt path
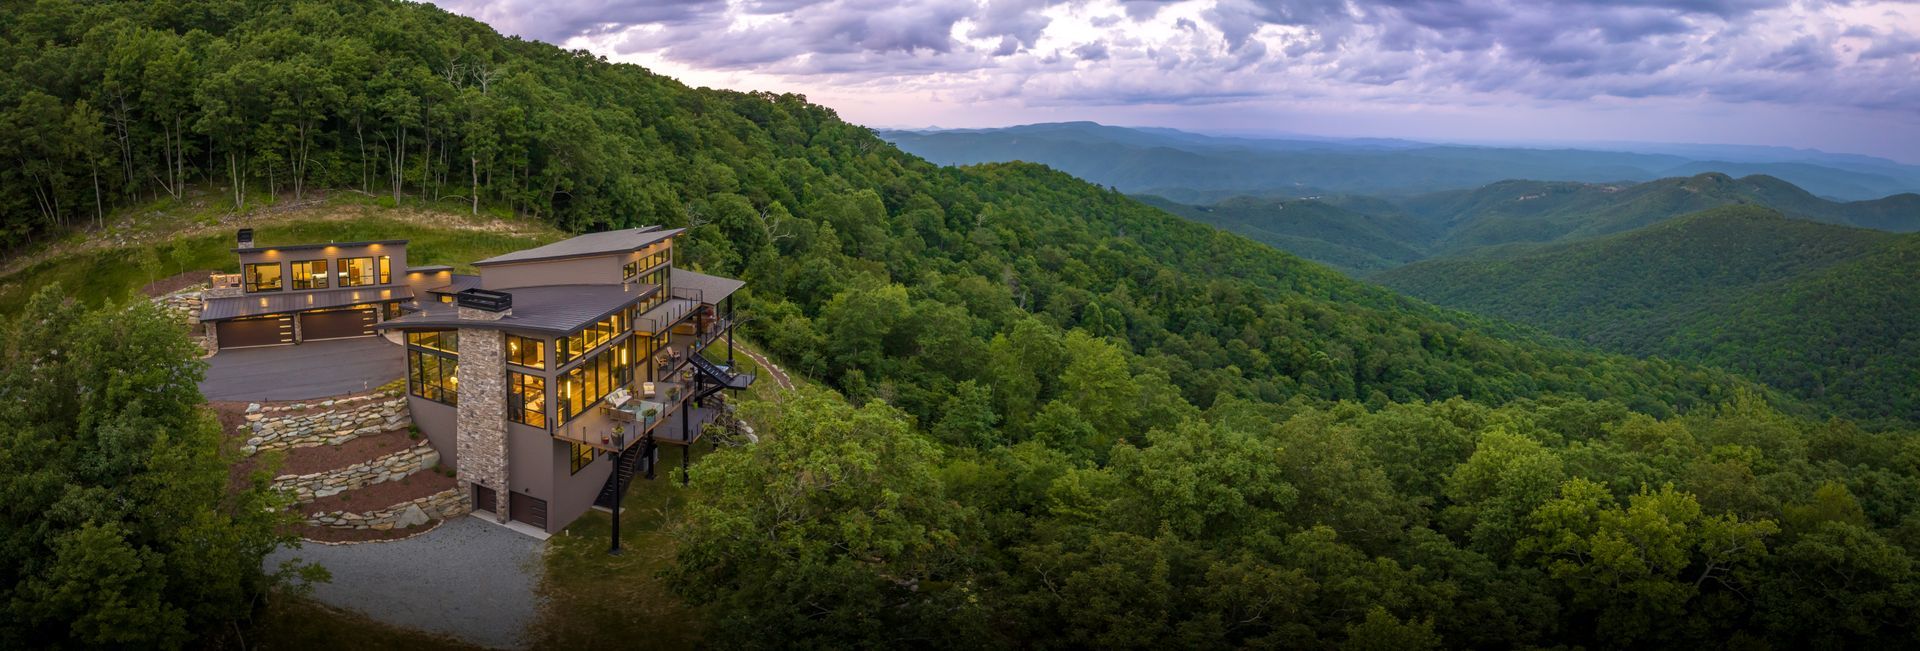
[779,377]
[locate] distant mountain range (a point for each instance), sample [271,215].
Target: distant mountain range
[1828,312]
[1194,168]
[1361,234]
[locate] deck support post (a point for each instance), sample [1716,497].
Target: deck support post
[619,487]
[687,436]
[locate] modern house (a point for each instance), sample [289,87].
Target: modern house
[289,294]
[554,375]
[546,381]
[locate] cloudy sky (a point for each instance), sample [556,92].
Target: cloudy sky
[1839,76]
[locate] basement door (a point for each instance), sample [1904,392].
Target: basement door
[531,510]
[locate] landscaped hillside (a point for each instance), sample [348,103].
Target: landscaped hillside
[1827,312]
[1057,417]
[1322,232]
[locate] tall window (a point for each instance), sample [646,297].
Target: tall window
[525,351]
[359,272]
[527,399]
[629,271]
[386,270]
[582,455]
[433,365]
[262,277]
[593,379]
[310,274]
[434,376]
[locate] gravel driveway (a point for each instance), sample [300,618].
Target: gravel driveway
[468,579]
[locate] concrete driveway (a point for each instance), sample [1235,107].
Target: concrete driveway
[472,580]
[315,369]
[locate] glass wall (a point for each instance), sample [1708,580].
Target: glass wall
[571,347]
[359,272]
[584,385]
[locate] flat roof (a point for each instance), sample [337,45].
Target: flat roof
[621,241]
[548,309]
[712,288]
[299,247]
[428,269]
[235,307]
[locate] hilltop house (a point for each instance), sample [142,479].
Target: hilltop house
[546,381]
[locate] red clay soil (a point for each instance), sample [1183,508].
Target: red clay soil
[332,535]
[381,495]
[301,461]
[174,283]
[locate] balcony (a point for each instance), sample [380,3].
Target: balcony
[595,427]
[223,285]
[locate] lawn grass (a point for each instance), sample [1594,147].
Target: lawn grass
[298,623]
[595,600]
[101,275]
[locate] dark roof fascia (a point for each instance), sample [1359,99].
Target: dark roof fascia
[302,247]
[427,269]
[497,325]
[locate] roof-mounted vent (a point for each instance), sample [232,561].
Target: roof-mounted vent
[484,299]
[245,238]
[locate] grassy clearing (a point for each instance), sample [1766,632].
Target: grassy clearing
[595,600]
[102,274]
[297,623]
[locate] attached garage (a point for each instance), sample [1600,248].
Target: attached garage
[259,331]
[336,324]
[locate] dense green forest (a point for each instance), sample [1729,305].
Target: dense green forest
[1829,313]
[1352,241]
[1059,417]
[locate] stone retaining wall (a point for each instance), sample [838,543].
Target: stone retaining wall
[309,487]
[412,513]
[328,422]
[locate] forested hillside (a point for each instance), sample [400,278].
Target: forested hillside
[1539,211]
[1060,418]
[1351,241]
[1827,312]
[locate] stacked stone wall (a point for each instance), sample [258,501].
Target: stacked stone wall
[312,486]
[326,422]
[481,434]
[412,513]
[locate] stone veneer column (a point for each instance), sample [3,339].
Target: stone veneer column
[482,416]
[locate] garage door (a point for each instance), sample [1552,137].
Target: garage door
[262,331]
[531,510]
[336,324]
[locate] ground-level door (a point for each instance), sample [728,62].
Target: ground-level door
[256,331]
[336,324]
[484,500]
[531,510]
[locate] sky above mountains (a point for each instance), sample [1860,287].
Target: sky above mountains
[1838,76]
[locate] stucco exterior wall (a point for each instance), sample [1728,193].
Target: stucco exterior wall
[440,424]
[598,270]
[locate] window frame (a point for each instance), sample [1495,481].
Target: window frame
[574,454]
[312,280]
[371,277]
[251,285]
[444,387]
[516,351]
[519,387]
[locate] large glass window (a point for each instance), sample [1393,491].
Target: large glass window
[582,456]
[629,271]
[434,376]
[309,274]
[593,379]
[359,272]
[571,347]
[262,277]
[526,351]
[447,341]
[527,399]
[386,270]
